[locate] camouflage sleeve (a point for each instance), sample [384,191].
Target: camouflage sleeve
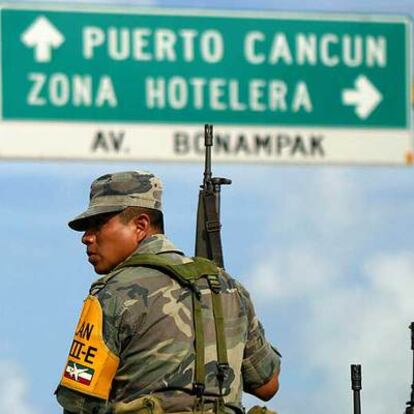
[74,402]
[120,320]
[112,316]
[260,360]
[123,313]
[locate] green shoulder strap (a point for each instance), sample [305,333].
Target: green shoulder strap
[221,346]
[183,272]
[186,274]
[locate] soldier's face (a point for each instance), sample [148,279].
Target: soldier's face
[109,241]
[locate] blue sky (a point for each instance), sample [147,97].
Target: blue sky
[326,252]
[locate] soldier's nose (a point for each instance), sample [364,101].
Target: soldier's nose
[88,237]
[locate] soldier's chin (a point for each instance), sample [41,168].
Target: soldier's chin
[99,268]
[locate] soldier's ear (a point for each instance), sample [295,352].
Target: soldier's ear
[143,226]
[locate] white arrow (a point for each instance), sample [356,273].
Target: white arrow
[365,97]
[43,37]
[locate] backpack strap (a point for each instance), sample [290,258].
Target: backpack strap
[186,274]
[221,344]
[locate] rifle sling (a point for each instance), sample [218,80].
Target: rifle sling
[213,228]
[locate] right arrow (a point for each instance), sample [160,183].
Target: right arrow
[44,37]
[365,97]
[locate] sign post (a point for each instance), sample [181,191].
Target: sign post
[140,84]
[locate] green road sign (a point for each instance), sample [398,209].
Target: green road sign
[276,73]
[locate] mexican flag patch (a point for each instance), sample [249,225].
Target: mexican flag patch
[79,373]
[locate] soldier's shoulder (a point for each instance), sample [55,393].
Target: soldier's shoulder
[233,283]
[129,284]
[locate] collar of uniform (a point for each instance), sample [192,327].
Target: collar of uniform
[155,244]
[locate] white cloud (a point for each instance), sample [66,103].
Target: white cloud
[340,307]
[365,323]
[13,390]
[343,323]
[291,274]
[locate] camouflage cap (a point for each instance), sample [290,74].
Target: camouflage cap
[115,192]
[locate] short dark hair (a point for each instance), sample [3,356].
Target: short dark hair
[156,217]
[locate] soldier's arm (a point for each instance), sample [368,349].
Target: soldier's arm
[261,361]
[261,365]
[266,391]
[76,403]
[75,394]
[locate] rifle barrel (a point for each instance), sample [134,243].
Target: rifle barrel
[208,236]
[356,383]
[208,143]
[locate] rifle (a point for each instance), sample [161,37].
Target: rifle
[356,387]
[208,236]
[410,404]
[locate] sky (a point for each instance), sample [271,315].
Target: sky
[325,251]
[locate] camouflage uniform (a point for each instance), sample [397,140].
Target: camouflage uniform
[148,323]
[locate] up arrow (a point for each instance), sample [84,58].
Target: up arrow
[43,37]
[365,97]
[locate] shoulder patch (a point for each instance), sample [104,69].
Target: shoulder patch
[91,365]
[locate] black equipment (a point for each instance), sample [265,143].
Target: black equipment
[208,236]
[410,404]
[356,386]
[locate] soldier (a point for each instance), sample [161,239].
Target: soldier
[152,330]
